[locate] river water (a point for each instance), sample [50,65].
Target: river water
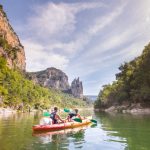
[113,132]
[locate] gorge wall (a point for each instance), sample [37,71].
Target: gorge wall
[50,78]
[10,46]
[13,51]
[55,78]
[77,88]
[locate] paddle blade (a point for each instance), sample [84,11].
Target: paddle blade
[94,121]
[93,125]
[46,114]
[77,120]
[66,110]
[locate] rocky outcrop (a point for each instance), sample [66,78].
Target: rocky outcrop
[55,78]
[134,108]
[77,88]
[51,78]
[13,51]
[10,46]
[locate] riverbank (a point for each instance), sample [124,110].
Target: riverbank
[13,111]
[7,110]
[132,109]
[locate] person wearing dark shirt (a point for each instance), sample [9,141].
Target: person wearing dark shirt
[55,117]
[73,114]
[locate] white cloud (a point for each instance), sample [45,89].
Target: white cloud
[39,59]
[102,22]
[123,31]
[84,37]
[49,21]
[57,18]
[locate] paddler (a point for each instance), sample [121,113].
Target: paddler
[55,117]
[73,114]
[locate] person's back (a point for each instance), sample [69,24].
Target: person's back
[55,117]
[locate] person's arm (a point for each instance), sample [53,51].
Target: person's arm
[58,117]
[78,115]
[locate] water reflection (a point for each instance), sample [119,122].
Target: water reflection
[64,139]
[132,130]
[113,132]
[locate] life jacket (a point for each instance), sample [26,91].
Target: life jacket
[52,116]
[71,115]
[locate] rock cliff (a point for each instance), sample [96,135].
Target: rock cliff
[77,88]
[51,78]
[13,51]
[55,78]
[10,46]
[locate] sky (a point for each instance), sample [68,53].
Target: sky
[89,39]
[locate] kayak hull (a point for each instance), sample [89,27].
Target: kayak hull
[60,132]
[60,126]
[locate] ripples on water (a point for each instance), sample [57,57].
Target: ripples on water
[118,132]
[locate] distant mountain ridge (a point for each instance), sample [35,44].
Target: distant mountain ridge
[91,97]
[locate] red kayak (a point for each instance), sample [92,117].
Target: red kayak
[61,126]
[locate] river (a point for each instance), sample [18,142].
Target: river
[113,132]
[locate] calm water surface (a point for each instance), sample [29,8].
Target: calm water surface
[113,132]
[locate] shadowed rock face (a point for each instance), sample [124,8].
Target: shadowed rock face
[55,78]
[51,78]
[10,46]
[77,88]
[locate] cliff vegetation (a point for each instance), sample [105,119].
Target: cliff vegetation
[132,84]
[19,93]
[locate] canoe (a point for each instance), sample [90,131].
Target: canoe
[61,126]
[60,132]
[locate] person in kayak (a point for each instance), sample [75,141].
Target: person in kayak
[73,114]
[55,117]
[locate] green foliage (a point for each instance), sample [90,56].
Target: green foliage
[11,51]
[1,7]
[132,83]
[17,90]
[4,43]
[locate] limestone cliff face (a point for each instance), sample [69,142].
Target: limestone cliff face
[10,46]
[51,78]
[77,88]
[55,78]
[13,51]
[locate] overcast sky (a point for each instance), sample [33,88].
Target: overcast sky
[84,38]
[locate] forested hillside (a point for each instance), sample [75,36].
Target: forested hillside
[17,92]
[132,83]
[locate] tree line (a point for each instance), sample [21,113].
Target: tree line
[132,83]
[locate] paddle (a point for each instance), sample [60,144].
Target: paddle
[46,114]
[78,119]
[93,125]
[94,121]
[66,110]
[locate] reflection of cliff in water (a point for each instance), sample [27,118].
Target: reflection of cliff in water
[63,139]
[134,129]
